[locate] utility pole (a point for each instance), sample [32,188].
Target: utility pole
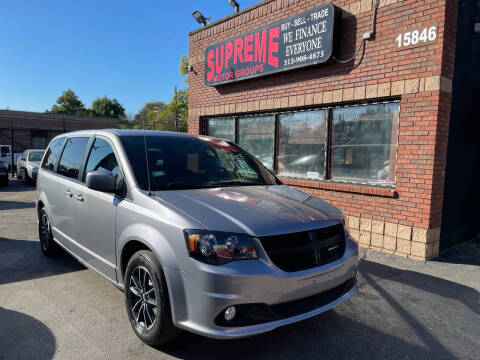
[175,113]
[11,144]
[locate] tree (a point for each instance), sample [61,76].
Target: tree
[106,107]
[142,114]
[69,104]
[184,67]
[172,117]
[178,106]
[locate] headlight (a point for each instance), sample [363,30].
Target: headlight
[217,248]
[4,165]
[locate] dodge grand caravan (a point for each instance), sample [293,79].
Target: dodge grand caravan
[198,234]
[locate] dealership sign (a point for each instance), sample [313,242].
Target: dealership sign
[301,40]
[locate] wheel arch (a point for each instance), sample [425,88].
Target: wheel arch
[40,206]
[130,248]
[143,237]
[42,202]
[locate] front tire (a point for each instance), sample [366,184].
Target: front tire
[47,244]
[146,300]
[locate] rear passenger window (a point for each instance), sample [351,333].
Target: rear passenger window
[102,157]
[53,154]
[72,157]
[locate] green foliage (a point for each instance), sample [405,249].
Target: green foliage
[106,107]
[184,67]
[142,114]
[69,104]
[170,117]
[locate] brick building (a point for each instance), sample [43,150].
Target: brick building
[33,130]
[391,137]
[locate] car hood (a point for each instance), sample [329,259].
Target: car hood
[255,210]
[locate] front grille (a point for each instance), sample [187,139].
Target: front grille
[307,249]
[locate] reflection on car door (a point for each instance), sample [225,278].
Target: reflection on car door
[95,212]
[63,190]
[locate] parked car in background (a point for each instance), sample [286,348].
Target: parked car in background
[3,172]
[28,164]
[197,232]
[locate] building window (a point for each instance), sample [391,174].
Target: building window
[223,128]
[355,144]
[362,149]
[256,134]
[301,144]
[39,143]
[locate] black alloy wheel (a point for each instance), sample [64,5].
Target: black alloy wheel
[48,245]
[147,301]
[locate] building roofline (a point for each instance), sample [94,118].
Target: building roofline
[226,18]
[49,115]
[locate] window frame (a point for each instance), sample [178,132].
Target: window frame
[327,175]
[277,139]
[82,164]
[55,165]
[115,152]
[275,130]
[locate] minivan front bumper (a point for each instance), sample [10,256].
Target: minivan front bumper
[208,290]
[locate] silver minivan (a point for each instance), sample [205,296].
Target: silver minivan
[198,234]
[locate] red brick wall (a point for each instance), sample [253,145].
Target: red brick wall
[420,77]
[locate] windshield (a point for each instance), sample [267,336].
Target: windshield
[178,162]
[35,155]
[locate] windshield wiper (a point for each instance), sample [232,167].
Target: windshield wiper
[237,182]
[185,186]
[175,186]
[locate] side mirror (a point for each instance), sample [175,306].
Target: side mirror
[101,180]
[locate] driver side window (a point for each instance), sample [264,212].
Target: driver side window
[102,157]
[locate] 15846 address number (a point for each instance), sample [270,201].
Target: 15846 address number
[417,37]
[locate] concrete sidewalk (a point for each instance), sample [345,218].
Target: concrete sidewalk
[405,309]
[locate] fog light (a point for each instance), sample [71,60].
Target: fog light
[230,313]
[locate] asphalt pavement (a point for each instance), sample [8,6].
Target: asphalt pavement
[405,309]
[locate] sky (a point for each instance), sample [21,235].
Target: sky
[124,49]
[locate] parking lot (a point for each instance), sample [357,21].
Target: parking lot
[56,308]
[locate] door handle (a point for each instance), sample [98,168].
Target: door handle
[68,193]
[78,197]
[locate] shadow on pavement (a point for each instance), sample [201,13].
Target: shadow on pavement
[333,335]
[328,336]
[14,205]
[15,185]
[467,253]
[23,260]
[372,272]
[24,337]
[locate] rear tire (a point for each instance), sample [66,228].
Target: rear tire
[146,300]
[4,181]
[28,179]
[47,244]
